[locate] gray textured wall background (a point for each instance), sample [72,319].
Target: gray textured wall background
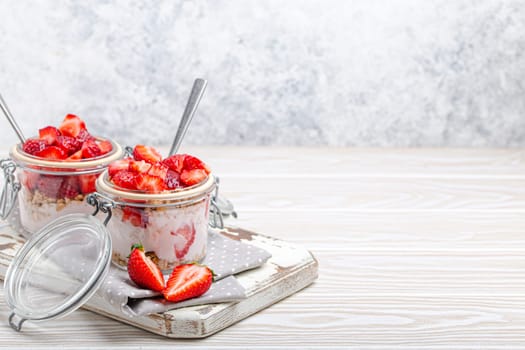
[344,73]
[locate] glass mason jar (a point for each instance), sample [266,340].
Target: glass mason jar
[172,225]
[49,189]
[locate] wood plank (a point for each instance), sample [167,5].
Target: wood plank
[386,231]
[372,194]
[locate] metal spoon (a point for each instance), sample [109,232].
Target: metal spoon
[191,106]
[11,120]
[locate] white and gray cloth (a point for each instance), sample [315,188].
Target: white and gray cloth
[225,256]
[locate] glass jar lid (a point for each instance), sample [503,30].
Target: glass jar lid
[58,269]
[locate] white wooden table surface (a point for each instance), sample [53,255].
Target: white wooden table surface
[417,249]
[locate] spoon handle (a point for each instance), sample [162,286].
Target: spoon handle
[11,119]
[191,106]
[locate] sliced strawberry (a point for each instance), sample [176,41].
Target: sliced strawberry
[150,184]
[105,146]
[191,162]
[70,187]
[52,153]
[175,162]
[136,216]
[125,179]
[84,135]
[33,146]
[187,233]
[193,177]
[139,166]
[87,183]
[49,185]
[172,180]
[149,154]
[90,149]
[118,165]
[188,281]
[49,134]
[159,170]
[75,156]
[143,271]
[72,125]
[68,144]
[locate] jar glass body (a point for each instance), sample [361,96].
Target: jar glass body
[172,226]
[50,189]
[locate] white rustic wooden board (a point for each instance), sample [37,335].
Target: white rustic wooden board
[290,269]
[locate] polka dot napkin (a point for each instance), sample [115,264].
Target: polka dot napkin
[225,257]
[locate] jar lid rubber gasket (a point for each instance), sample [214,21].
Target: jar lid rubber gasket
[58,269]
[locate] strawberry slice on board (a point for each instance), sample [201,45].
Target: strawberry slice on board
[72,125]
[52,153]
[193,177]
[149,154]
[33,146]
[188,281]
[49,134]
[143,271]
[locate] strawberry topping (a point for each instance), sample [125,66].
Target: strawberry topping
[149,154]
[125,179]
[33,146]
[52,153]
[71,125]
[49,134]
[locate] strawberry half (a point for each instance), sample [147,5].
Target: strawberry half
[188,281]
[72,125]
[149,154]
[49,134]
[33,146]
[52,152]
[193,177]
[143,271]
